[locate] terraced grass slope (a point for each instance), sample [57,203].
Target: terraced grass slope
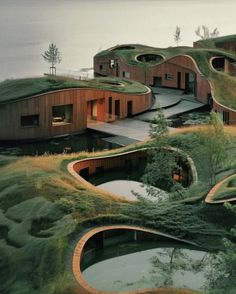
[43,208]
[224,85]
[40,205]
[13,90]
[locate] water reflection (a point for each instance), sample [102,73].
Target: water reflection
[91,141]
[171,267]
[175,267]
[132,190]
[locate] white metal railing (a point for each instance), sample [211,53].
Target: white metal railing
[82,74]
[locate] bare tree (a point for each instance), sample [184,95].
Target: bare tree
[204,32]
[177,37]
[52,56]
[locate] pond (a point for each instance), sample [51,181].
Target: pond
[190,118]
[128,189]
[125,173]
[169,265]
[91,141]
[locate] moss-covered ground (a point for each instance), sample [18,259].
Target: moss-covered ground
[43,209]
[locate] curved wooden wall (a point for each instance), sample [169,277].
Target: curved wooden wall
[10,113]
[118,160]
[78,251]
[182,63]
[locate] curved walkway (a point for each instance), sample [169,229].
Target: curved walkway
[130,130]
[210,196]
[165,97]
[87,289]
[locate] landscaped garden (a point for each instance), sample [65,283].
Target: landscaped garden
[44,210]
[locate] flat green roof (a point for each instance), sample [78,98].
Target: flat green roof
[229,38]
[14,90]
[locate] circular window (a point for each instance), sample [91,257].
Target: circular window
[125,47]
[149,58]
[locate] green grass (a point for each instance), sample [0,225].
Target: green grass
[218,40]
[227,190]
[43,209]
[14,90]
[224,88]
[224,85]
[40,206]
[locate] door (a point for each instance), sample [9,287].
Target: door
[129,108]
[190,83]
[187,83]
[117,107]
[179,80]
[157,81]
[94,109]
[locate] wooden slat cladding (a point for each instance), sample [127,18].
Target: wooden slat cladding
[42,105]
[174,73]
[180,64]
[127,160]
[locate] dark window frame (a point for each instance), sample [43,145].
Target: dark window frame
[60,115]
[29,121]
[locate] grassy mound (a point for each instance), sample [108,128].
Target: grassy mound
[43,209]
[40,206]
[13,90]
[227,190]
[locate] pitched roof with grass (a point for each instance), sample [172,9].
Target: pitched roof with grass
[14,90]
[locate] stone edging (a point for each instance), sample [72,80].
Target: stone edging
[209,198]
[76,260]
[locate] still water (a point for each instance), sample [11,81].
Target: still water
[168,266]
[89,142]
[130,189]
[81,28]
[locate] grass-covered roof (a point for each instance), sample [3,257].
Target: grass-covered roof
[224,85]
[229,38]
[14,90]
[43,211]
[217,40]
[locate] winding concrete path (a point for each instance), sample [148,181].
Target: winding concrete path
[136,129]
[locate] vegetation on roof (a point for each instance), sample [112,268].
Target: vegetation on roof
[224,85]
[214,41]
[43,210]
[227,190]
[229,38]
[13,90]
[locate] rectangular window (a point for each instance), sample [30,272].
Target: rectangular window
[62,114]
[169,77]
[226,117]
[126,74]
[30,120]
[101,67]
